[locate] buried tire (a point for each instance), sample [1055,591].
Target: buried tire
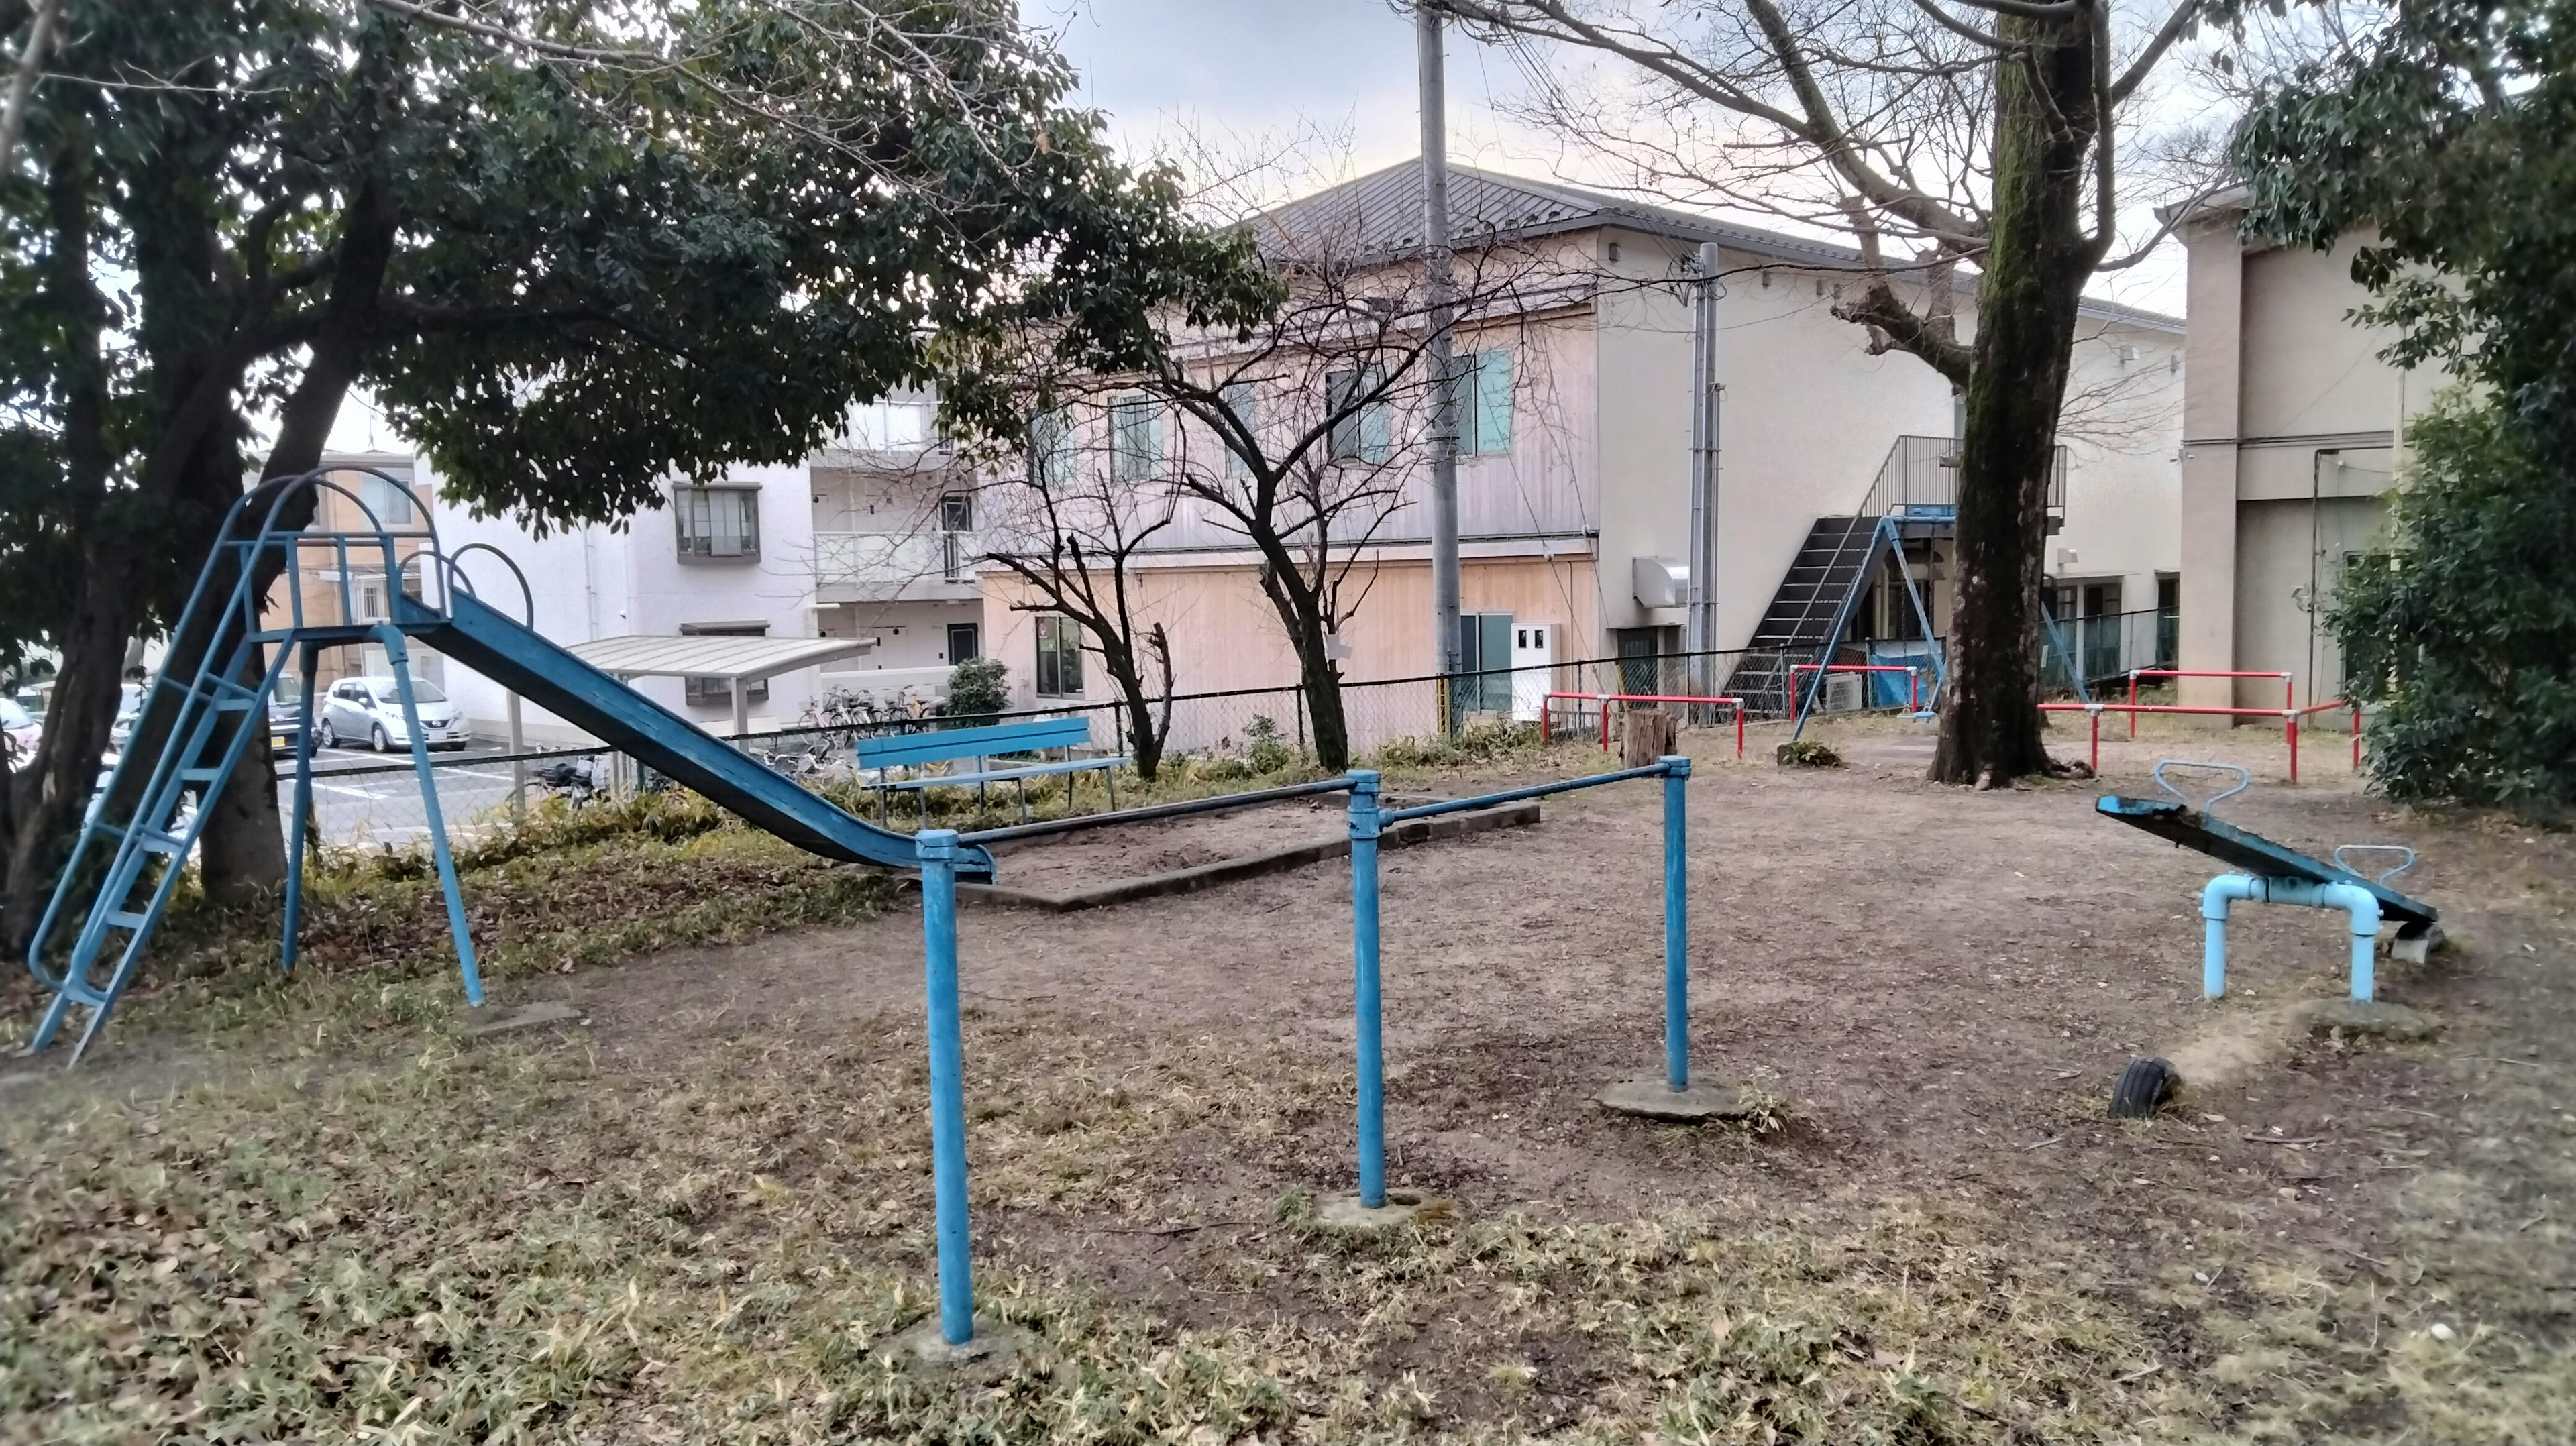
[2143,1088]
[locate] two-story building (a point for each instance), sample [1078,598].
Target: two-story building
[1574,473]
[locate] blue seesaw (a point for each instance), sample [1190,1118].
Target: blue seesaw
[940,851]
[2273,874]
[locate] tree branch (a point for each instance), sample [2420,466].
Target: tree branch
[1956,26]
[2183,21]
[22,84]
[1907,330]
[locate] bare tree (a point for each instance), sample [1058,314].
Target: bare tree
[1317,421]
[1069,527]
[1298,439]
[1934,135]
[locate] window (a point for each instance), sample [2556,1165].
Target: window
[1362,431]
[965,642]
[890,426]
[1135,438]
[718,692]
[1483,387]
[1243,403]
[1050,450]
[718,522]
[389,500]
[423,693]
[1059,657]
[956,535]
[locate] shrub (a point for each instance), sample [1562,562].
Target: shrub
[2460,623]
[977,689]
[1482,740]
[1265,750]
[1808,753]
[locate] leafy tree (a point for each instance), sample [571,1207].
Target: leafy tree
[2448,139]
[579,248]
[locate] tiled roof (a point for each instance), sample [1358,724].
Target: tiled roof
[1380,214]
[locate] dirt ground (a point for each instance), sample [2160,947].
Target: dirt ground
[1087,860]
[1942,985]
[1939,985]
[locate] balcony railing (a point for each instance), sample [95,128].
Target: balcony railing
[884,565]
[1920,481]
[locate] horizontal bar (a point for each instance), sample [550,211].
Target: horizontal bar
[1856,667]
[1460,805]
[1646,698]
[2195,673]
[1218,804]
[2331,705]
[2167,708]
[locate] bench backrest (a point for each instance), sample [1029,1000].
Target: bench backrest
[940,745]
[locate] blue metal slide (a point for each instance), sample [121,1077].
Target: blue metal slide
[128,857]
[487,641]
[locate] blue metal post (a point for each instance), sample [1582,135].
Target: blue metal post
[398,656]
[301,816]
[936,849]
[1364,992]
[1676,923]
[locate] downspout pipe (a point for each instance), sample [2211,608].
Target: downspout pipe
[2357,902]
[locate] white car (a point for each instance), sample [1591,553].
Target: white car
[369,710]
[22,728]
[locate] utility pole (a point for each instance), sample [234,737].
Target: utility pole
[1439,288]
[1699,632]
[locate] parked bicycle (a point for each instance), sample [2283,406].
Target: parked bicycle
[576,781]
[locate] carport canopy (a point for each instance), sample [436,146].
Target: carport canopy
[737,659]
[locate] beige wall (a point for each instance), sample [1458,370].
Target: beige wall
[1225,634]
[2293,426]
[2123,436]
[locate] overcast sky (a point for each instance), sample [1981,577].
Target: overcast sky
[1334,79]
[1340,73]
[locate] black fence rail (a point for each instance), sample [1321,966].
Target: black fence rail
[378,804]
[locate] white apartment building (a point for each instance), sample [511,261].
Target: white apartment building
[871,538]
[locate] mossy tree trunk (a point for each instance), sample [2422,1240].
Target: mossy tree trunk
[2038,257]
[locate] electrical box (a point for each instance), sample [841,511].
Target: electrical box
[1533,665]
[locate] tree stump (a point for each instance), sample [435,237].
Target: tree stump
[1647,736]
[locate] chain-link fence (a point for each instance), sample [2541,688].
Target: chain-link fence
[371,803]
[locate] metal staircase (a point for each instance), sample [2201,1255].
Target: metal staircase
[1914,496]
[1809,612]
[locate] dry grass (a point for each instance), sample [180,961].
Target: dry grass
[532,1243]
[382,1235]
[573,888]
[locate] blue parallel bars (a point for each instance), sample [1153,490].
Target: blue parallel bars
[1368,823]
[1676,923]
[936,848]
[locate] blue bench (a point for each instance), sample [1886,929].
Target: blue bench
[949,745]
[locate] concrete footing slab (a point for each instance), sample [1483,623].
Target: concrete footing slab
[544,1014]
[2415,943]
[993,1352]
[1402,1207]
[2371,1018]
[1651,1098]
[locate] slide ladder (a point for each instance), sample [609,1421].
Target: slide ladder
[128,858]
